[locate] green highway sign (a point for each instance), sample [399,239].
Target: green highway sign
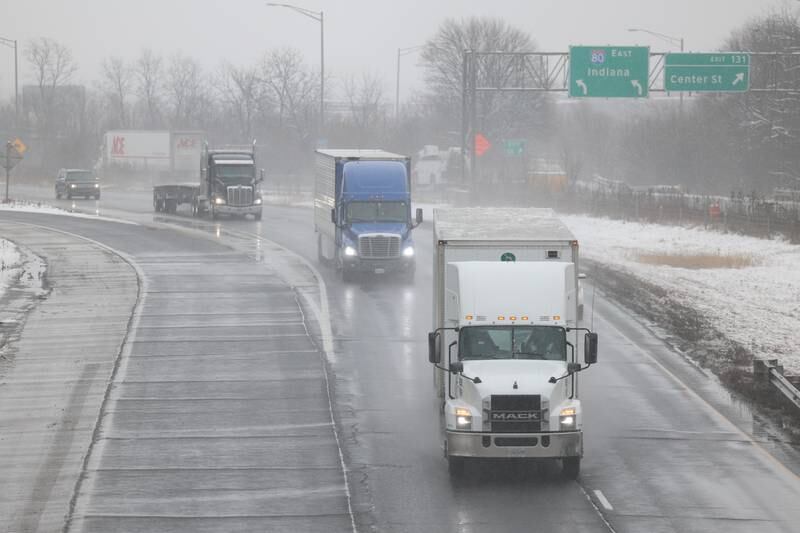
[719,73]
[609,71]
[514,146]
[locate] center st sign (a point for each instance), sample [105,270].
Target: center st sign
[609,71]
[715,72]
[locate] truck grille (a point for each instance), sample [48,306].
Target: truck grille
[240,195]
[379,246]
[516,413]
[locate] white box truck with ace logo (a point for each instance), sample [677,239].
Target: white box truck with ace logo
[156,154]
[505,341]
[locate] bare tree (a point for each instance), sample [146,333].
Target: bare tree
[52,69]
[365,98]
[294,88]
[185,89]
[241,91]
[149,71]
[117,79]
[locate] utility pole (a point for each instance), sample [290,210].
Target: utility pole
[400,52]
[13,44]
[8,167]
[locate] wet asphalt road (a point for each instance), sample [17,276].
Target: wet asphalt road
[665,450]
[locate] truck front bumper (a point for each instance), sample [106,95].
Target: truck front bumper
[515,445]
[379,266]
[237,210]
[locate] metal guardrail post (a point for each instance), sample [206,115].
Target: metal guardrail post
[770,371]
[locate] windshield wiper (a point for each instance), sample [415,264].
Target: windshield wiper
[534,354]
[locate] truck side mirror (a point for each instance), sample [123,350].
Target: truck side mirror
[419,216]
[590,348]
[333,216]
[434,355]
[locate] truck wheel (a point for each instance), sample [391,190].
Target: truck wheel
[571,467]
[347,275]
[214,214]
[320,257]
[408,275]
[455,466]
[58,195]
[257,216]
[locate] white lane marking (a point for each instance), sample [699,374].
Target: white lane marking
[789,475]
[597,510]
[96,445]
[322,314]
[603,500]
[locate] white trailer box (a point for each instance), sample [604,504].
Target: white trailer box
[505,339]
[137,150]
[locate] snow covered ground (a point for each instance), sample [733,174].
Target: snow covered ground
[749,288]
[11,264]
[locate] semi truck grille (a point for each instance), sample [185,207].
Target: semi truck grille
[516,413]
[379,246]
[240,195]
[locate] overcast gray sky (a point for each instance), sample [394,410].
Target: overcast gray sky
[359,34]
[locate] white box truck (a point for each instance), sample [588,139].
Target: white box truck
[505,341]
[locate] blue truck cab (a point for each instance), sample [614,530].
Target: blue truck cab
[362,212]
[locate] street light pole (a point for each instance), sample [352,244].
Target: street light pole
[401,52]
[13,44]
[319,16]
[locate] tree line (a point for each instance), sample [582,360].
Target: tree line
[710,143]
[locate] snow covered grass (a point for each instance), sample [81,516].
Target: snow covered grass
[746,288]
[10,265]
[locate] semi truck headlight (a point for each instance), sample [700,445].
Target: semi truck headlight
[96,185]
[567,418]
[349,251]
[72,186]
[409,251]
[463,418]
[219,201]
[258,201]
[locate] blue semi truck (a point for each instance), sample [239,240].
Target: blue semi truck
[362,212]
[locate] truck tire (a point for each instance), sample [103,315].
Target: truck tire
[456,466]
[257,216]
[571,467]
[347,275]
[214,214]
[58,195]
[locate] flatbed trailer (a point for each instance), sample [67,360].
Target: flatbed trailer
[167,198]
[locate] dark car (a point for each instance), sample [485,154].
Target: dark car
[77,182]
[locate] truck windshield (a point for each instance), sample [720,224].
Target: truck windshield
[513,342]
[234,172]
[376,212]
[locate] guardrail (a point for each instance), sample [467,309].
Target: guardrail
[770,371]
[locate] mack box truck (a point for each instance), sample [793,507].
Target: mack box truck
[506,345]
[362,212]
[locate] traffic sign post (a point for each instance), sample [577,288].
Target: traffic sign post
[714,72]
[14,151]
[609,71]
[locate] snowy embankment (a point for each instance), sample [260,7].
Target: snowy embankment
[747,289]
[11,265]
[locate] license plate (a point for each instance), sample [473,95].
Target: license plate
[380,270]
[516,452]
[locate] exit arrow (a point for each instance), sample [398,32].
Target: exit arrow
[637,86]
[739,78]
[582,85]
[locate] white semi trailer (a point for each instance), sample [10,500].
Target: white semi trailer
[506,336]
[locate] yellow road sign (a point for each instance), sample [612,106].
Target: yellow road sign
[19,146]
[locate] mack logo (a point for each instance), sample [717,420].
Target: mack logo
[118,146]
[515,416]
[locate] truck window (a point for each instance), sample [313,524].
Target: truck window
[377,212]
[513,342]
[226,172]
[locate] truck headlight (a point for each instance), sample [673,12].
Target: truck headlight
[219,201]
[408,251]
[349,251]
[72,186]
[567,419]
[96,185]
[463,418]
[258,201]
